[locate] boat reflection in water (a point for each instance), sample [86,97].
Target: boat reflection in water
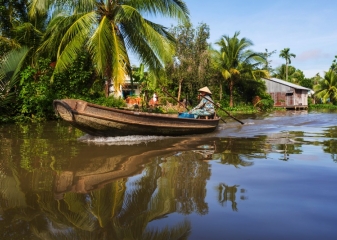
[101,170]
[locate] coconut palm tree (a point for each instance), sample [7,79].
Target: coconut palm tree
[109,30]
[234,58]
[285,53]
[326,89]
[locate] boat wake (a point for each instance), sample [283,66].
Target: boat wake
[125,140]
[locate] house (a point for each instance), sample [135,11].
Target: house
[286,94]
[125,89]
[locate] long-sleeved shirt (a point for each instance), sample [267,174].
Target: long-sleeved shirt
[205,105]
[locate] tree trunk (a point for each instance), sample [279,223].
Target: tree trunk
[287,71]
[231,93]
[179,90]
[106,89]
[220,97]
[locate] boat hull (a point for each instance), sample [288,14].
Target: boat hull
[97,120]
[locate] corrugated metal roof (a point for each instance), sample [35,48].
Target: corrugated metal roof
[287,83]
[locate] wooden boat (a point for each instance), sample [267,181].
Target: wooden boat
[98,120]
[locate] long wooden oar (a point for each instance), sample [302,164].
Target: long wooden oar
[164,90]
[224,111]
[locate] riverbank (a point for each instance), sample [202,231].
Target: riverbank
[235,111]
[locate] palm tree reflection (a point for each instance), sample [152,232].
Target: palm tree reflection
[228,193]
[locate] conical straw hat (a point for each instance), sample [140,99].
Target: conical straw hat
[205,89]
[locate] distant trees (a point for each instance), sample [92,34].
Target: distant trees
[285,53]
[294,75]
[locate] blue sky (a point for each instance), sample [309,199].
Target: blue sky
[307,27]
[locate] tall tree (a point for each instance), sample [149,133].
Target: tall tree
[110,30]
[267,66]
[234,58]
[326,89]
[191,59]
[285,53]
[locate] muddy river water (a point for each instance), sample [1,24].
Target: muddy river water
[274,177]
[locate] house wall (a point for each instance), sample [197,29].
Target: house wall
[302,97]
[285,95]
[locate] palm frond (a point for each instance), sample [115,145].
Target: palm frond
[109,53]
[73,41]
[12,43]
[53,35]
[170,8]
[38,7]
[28,35]
[151,42]
[9,73]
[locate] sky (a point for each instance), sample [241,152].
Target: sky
[307,27]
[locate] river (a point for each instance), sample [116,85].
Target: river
[272,178]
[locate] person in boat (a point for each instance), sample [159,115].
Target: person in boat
[206,105]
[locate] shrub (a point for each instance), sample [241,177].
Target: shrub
[110,102]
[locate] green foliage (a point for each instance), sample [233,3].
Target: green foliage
[267,65]
[6,45]
[78,81]
[190,65]
[37,92]
[326,89]
[323,106]
[10,66]
[248,89]
[109,32]
[236,62]
[307,82]
[142,78]
[110,102]
[11,12]
[295,76]
[266,104]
